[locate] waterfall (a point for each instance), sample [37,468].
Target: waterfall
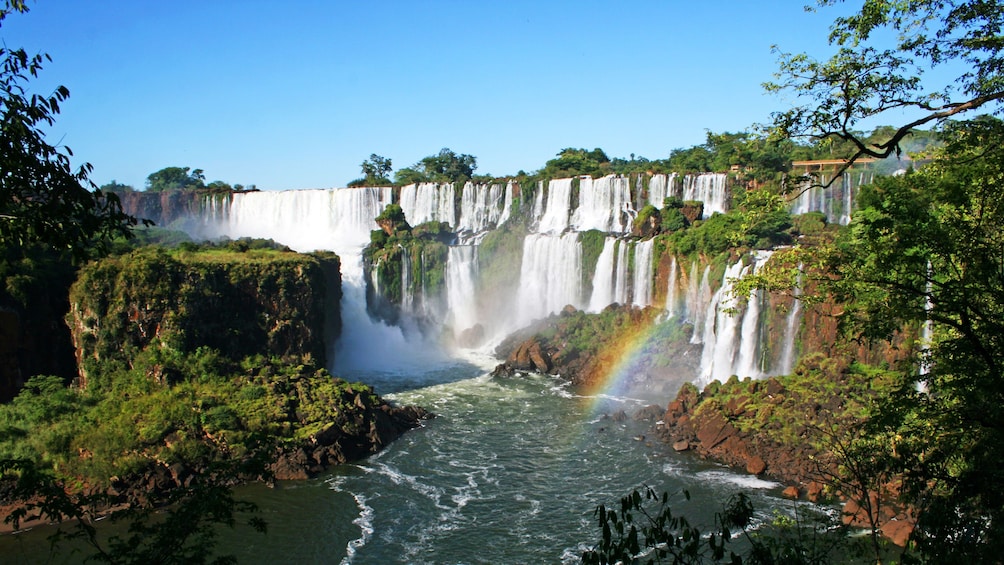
[709,188]
[642,288]
[506,205]
[428,202]
[407,294]
[837,202]
[603,277]
[604,204]
[338,220]
[559,197]
[538,204]
[732,344]
[671,303]
[481,206]
[698,301]
[620,295]
[461,272]
[787,364]
[550,276]
[658,190]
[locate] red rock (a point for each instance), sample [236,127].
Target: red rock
[898,531]
[792,492]
[756,465]
[681,445]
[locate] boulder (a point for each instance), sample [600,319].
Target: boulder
[791,492]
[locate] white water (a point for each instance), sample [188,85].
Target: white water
[642,280]
[732,330]
[483,207]
[672,302]
[461,272]
[550,276]
[603,277]
[620,273]
[556,214]
[837,202]
[604,204]
[428,202]
[338,220]
[709,188]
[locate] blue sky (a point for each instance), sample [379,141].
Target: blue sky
[297,94]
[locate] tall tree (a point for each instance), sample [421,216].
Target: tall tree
[42,198]
[175,178]
[867,77]
[924,249]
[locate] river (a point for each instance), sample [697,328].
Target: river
[510,471]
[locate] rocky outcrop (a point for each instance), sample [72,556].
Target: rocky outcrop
[238,303]
[358,434]
[176,209]
[584,348]
[769,428]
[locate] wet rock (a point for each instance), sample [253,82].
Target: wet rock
[791,492]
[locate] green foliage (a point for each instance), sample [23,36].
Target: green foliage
[445,166]
[926,246]
[394,214]
[175,178]
[646,530]
[592,242]
[42,199]
[574,162]
[375,172]
[673,220]
[180,527]
[709,237]
[880,53]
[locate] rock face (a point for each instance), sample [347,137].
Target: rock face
[764,428]
[241,304]
[359,434]
[583,348]
[170,207]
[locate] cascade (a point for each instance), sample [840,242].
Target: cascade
[709,188]
[658,189]
[407,296]
[671,300]
[698,301]
[620,295]
[603,277]
[428,202]
[604,204]
[338,220]
[791,330]
[556,214]
[550,276]
[732,330]
[480,206]
[506,205]
[836,202]
[642,280]
[461,272]
[538,204]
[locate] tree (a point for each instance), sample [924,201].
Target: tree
[175,178]
[865,78]
[924,249]
[42,199]
[115,186]
[445,166]
[377,168]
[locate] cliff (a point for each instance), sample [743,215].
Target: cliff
[238,303]
[197,355]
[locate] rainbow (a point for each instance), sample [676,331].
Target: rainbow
[619,360]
